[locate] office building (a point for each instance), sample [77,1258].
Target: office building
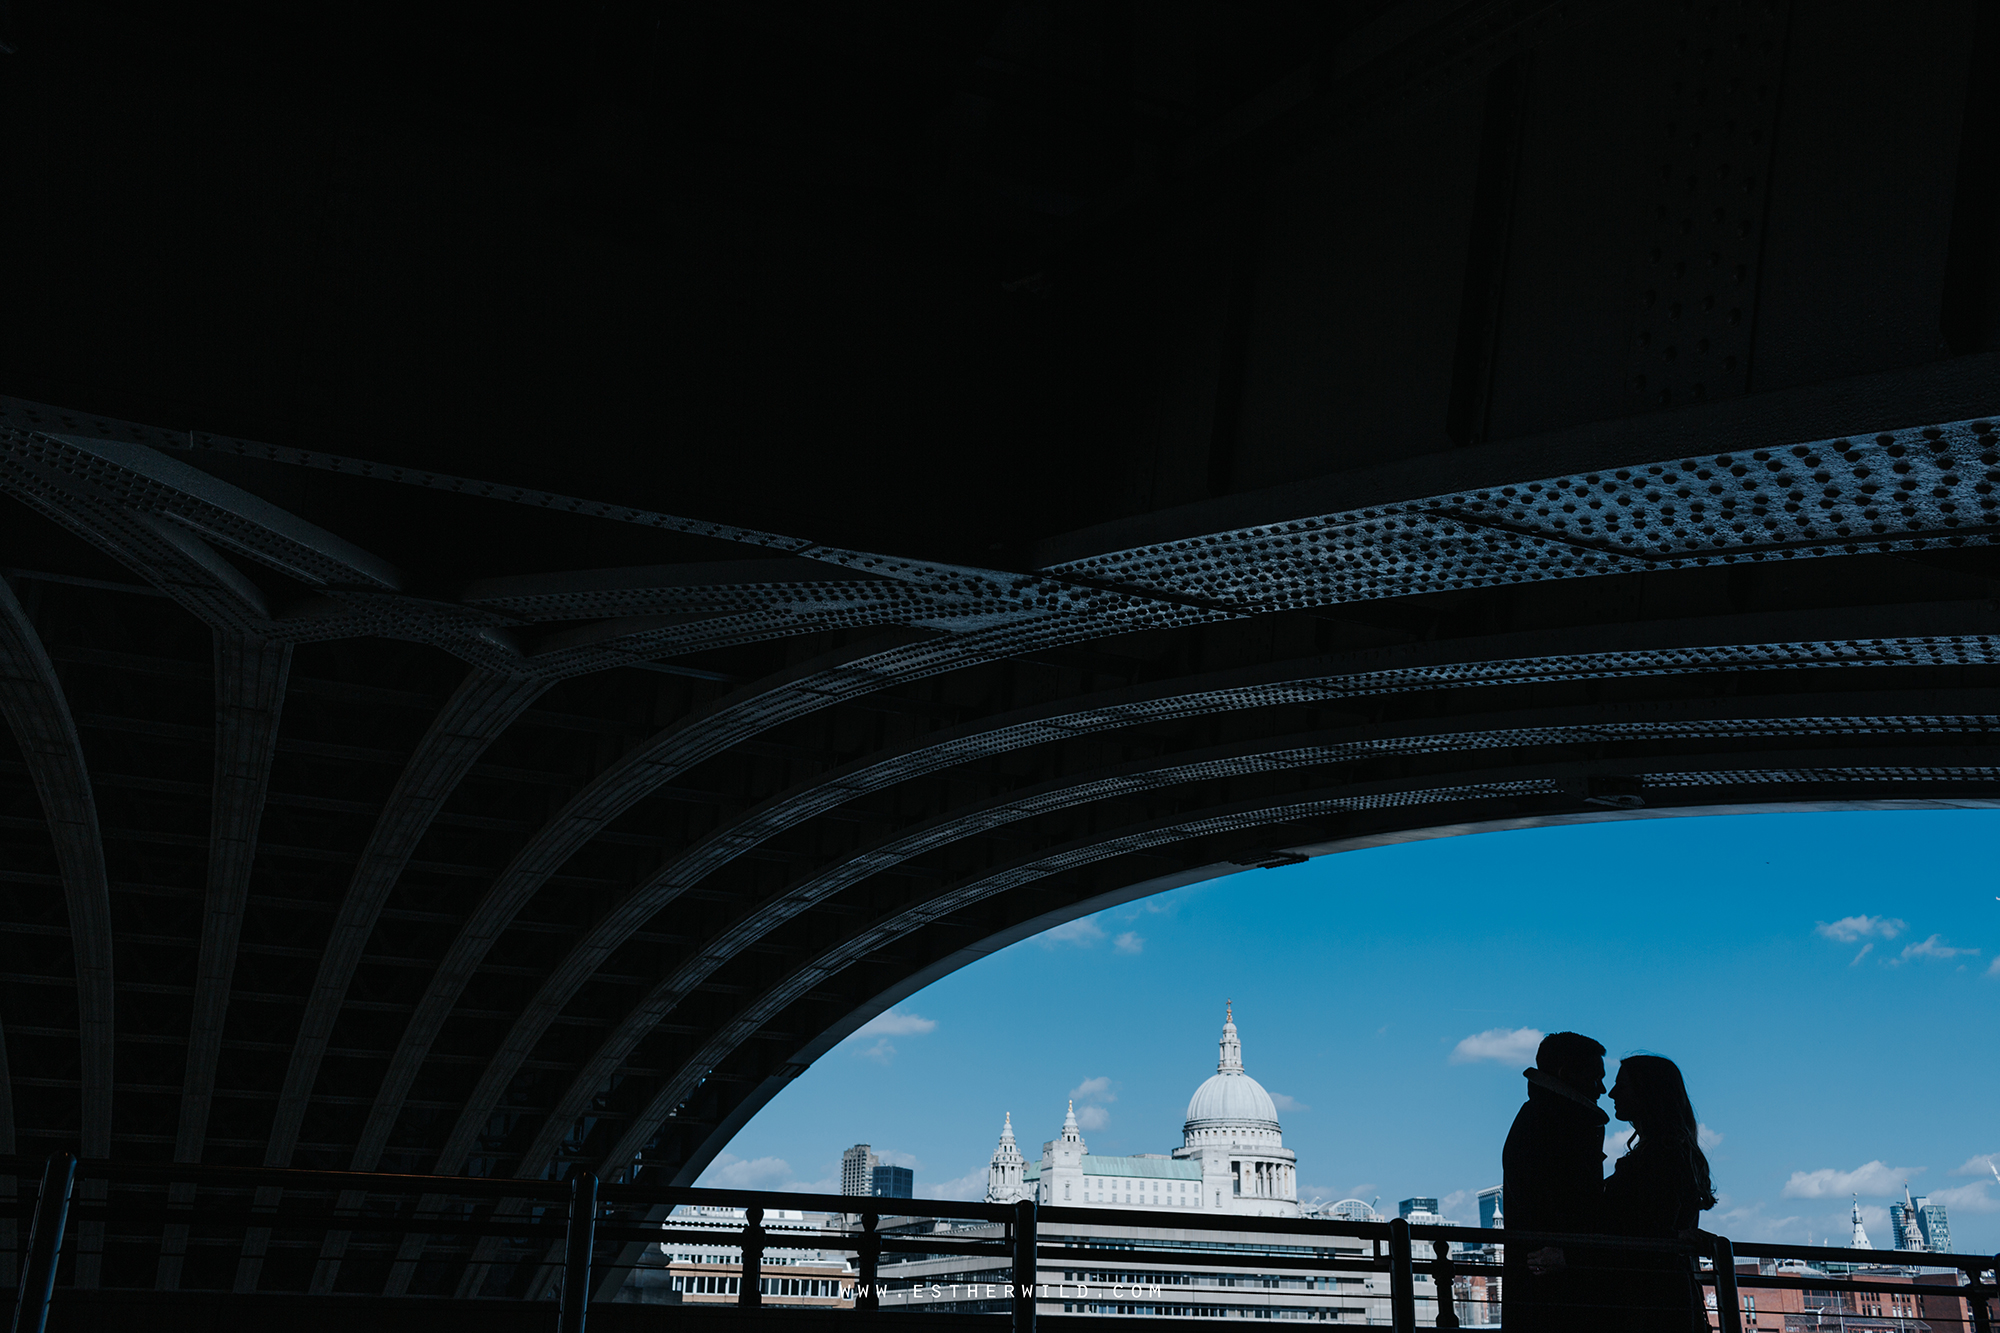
[857,1170]
[893,1182]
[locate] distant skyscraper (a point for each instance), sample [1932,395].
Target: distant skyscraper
[857,1170]
[1491,1212]
[893,1182]
[1408,1206]
[1919,1224]
[1935,1225]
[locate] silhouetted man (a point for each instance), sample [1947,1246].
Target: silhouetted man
[1554,1172]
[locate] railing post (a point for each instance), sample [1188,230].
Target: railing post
[576,1251]
[45,1238]
[1728,1305]
[1402,1278]
[750,1287]
[866,1299]
[1027,1266]
[1441,1277]
[1980,1294]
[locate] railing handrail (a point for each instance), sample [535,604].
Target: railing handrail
[1031,1234]
[368,1182]
[851,1204]
[1882,1258]
[1755,1249]
[890,1210]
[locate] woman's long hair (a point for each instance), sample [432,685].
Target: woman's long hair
[1655,1099]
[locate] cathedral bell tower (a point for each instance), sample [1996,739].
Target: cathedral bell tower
[1006,1174]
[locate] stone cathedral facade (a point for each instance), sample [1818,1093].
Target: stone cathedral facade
[1232,1157]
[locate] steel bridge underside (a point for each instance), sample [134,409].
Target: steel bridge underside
[385,793]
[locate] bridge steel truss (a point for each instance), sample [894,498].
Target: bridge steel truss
[728,876]
[320,855]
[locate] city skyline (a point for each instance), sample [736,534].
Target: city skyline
[1391,1020]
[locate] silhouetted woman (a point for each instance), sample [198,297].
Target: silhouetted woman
[1659,1188]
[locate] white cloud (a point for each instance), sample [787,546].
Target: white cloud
[763,1173]
[1971,1198]
[890,1157]
[1616,1141]
[1129,942]
[1932,948]
[1096,1093]
[1083,932]
[889,1023]
[1982,1165]
[1506,1045]
[1827,1183]
[1866,949]
[1460,1204]
[752,1173]
[1993,968]
[1752,1223]
[1851,928]
[970,1186]
[892,1023]
[1288,1103]
[1329,1193]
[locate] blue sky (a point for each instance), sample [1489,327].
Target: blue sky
[1829,983]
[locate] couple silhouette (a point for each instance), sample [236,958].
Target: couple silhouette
[1554,1181]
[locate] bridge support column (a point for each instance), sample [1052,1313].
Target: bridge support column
[1026,1266]
[866,1300]
[1728,1304]
[1402,1278]
[750,1287]
[45,1238]
[576,1252]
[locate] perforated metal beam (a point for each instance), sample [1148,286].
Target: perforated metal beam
[741,716]
[38,714]
[1778,498]
[480,709]
[10,1245]
[250,676]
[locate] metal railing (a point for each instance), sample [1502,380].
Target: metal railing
[570,1237]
